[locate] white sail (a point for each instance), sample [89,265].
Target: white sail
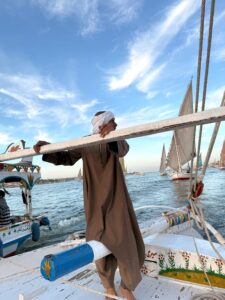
[163,164]
[181,146]
[79,175]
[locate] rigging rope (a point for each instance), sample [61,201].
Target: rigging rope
[199,213]
[198,82]
[212,141]
[213,295]
[205,79]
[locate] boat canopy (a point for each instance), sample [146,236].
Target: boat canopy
[22,174]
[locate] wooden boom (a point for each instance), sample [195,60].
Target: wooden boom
[205,117]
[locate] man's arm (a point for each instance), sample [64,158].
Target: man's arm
[119,148]
[66,158]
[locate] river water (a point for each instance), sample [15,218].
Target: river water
[62,202]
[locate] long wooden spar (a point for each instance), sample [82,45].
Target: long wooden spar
[205,117]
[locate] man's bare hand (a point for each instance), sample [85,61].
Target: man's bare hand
[107,128]
[37,146]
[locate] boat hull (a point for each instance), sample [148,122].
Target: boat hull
[11,237]
[181,176]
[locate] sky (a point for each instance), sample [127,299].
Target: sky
[63,60]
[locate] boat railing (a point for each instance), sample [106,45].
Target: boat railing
[7,227]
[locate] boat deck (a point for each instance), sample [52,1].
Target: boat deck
[20,278]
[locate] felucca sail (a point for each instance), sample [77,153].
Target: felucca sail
[222,157]
[181,146]
[79,175]
[163,163]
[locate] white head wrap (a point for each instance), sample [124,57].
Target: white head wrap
[100,120]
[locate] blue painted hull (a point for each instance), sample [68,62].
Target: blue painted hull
[10,248]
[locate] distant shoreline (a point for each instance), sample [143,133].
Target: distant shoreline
[53,180]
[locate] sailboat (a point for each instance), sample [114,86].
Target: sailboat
[79,175]
[222,158]
[26,226]
[180,152]
[163,163]
[122,163]
[200,161]
[199,166]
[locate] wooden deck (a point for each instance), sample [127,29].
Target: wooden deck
[20,278]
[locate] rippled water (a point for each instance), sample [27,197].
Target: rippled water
[63,202]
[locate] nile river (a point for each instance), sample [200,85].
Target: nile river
[62,202]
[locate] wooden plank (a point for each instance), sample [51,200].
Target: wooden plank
[205,117]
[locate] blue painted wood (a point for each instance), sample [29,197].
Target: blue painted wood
[18,241]
[54,266]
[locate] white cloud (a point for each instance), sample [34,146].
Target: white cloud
[59,94]
[219,55]
[148,46]
[83,108]
[43,136]
[31,109]
[5,139]
[214,98]
[123,11]
[144,115]
[91,14]
[41,100]
[41,87]
[85,11]
[137,66]
[145,83]
[220,17]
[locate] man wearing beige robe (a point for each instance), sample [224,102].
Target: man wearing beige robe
[110,217]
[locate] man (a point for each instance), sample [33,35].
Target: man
[4,210]
[110,216]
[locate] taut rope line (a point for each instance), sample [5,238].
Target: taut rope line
[201,35]
[205,80]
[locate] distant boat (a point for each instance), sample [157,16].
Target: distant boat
[139,173]
[180,152]
[23,174]
[200,161]
[122,163]
[222,158]
[163,164]
[199,167]
[79,175]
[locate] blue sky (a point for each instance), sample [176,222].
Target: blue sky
[63,60]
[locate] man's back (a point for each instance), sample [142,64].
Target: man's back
[4,213]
